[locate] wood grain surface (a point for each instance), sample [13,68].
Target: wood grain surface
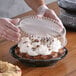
[65,67]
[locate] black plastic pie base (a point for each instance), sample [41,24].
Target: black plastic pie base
[37,63]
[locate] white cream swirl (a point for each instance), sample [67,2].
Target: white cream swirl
[26,45]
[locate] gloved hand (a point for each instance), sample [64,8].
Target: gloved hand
[8,30]
[43,10]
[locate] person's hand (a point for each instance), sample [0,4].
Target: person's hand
[46,12]
[8,30]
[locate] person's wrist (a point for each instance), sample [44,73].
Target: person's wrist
[41,9]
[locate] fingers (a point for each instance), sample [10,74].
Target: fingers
[9,34]
[6,22]
[12,26]
[8,30]
[51,14]
[15,21]
[12,36]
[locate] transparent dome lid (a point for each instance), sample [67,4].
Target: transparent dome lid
[43,28]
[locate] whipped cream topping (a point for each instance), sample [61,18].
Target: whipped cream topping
[34,46]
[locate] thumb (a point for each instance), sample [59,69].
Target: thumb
[15,21]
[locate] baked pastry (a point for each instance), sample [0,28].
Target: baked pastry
[32,47]
[8,69]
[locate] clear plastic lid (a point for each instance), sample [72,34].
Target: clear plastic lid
[43,27]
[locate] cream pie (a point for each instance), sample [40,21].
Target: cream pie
[32,47]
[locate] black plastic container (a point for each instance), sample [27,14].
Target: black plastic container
[68,13]
[36,63]
[67,5]
[68,19]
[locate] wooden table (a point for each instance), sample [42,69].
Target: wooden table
[65,67]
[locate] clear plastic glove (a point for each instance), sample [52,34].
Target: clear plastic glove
[8,30]
[45,11]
